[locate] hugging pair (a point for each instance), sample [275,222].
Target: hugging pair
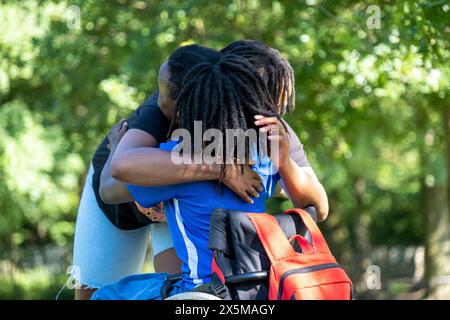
[246,85]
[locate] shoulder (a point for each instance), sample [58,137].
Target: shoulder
[149,118]
[293,137]
[296,149]
[150,105]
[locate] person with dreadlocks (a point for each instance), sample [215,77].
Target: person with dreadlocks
[278,75]
[275,70]
[134,162]
[111,240]
[224,93]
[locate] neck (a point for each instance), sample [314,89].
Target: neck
[166,113]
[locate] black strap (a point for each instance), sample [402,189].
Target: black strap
[215,287]
[168,283]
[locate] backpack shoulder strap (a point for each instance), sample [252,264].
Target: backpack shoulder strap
[318,241]
[273,239]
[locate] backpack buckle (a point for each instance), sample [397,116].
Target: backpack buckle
[215,287]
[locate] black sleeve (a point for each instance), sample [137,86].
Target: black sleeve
[149,118]
[296,151]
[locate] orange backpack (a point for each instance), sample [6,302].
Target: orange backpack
[313,274]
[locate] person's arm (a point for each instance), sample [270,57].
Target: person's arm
[113,191]
[303,188]
[151,196]
[300,183]
[137,161]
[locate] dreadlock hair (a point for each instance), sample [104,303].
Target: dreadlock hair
[225,93]
[276,71]
[182,60]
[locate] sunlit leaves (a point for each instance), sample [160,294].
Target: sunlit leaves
[39,176]
[364,96]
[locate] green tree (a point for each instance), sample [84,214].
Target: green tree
[372,107]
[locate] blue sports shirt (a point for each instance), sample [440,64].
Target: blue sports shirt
[188,208]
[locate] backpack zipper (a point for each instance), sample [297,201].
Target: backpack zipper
[303,270]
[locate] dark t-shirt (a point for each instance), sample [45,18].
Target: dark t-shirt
[149,118]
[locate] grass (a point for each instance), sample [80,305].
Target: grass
[40,284]
[34,284]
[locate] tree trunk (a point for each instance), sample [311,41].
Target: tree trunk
[446,117]
[435,207]
[437,242]
[336,232]
[361,245]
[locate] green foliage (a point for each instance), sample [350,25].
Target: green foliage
[369,101]
[33,285]
[39,176]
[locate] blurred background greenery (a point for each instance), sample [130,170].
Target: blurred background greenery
[373,110]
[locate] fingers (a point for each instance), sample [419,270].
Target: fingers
[153,213]
[272,126]
[124,128]
[253,186]
[256,182]
[273,129]
[257,185]
[276,138]
[264,121]
[256,176]
[117,132]
[119,125]
[253,192]
[121,122]
[156,216]
[140,208]
[246,184]
[246,197]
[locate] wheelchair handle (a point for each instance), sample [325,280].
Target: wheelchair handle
[250,276]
